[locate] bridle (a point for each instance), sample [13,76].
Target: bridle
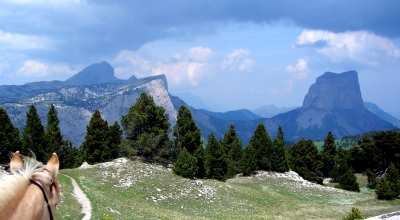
[44,195]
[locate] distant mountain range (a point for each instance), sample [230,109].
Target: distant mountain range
[269,111]
[333,103]
[75,99]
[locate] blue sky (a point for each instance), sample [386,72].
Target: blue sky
[231,54]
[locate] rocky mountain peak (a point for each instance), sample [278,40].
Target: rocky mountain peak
[335,91]
[96,73]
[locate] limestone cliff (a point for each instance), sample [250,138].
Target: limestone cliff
[333,103]
[334,91]
[75,102]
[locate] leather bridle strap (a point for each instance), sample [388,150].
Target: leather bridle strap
[45,197]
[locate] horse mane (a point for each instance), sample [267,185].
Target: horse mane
[17,180]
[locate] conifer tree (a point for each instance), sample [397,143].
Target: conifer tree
[53,135]
[216,162]
[305,159]
[340,168]
[372,159]
[262,144]
[146,126]
[186,133]
[33,135]
[354,214]
[248,163]
[394,179]
[389,186]
[113,141]
[281,134]
[328,154]
[372,181]
[199,154]
[9,137]
[92,146]
[383,190]
[233,149]
[348,181]
[68,155]
[186,165]
[278,159]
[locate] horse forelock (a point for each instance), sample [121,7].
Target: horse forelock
[17,181]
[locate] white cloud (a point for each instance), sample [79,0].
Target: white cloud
[188,68]
[128,63]
[33,68]
[300,70]
[359,46]
[21,42]
[199,53]
[238,61]
[300,66]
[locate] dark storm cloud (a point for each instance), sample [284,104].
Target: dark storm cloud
[81,30]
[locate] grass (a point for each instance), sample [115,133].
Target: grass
[346,144]
[135,190]
[68,208]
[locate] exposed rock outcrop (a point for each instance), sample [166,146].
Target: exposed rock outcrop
[334,91]
[76,103]
[333,103]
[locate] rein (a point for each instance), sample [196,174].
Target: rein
[45,197]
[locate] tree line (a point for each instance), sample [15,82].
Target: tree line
[146,133]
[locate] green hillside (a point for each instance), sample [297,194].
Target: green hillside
[135,190]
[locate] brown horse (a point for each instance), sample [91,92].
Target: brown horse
[31,190]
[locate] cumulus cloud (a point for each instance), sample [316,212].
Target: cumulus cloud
[299,70]
[189,66]
[238,61]
[33,68]
[80,29]
[200,53]
[360,46]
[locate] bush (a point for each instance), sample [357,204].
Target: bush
[354,214]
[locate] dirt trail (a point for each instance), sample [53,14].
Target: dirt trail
[82,199]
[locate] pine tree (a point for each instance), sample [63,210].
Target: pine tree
[216,162]
[394,179]
[372,181]
[278,156]
[53,135]
[328,154]
[199,154]
[348,181]
[248,163]
[9,137]
[146,126]
[113,141]
[186,133]
[262,144]
[33,135]
[305,159]
[233,148]
[67,155]
[186,165]
[340,168]
[92,146]
[383,190]
[354,214]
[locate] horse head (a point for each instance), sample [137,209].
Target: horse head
[36,189]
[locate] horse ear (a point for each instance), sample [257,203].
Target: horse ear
[16,161]
[53,164]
